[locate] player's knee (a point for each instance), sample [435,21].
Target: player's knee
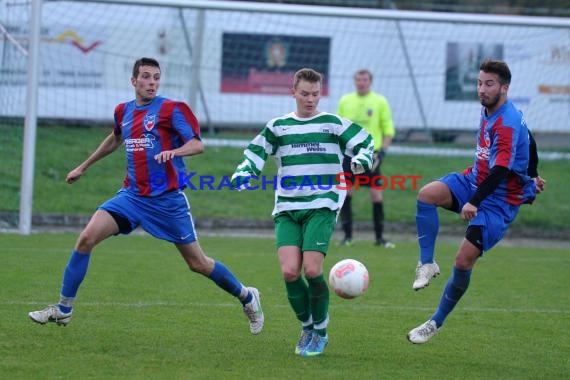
[201,266]
[435,193]
[86,241]
[312,272]
[290,274]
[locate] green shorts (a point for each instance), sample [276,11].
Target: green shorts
[310,230]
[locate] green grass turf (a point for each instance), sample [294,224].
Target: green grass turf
[60,149]
[142,315]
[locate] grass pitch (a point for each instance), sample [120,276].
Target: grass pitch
[142,315]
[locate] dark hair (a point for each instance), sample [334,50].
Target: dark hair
[364,72]
[308,75]
[497,67]
[144,61]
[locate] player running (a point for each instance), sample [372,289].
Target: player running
[488,194]
[308,146]
[157,134]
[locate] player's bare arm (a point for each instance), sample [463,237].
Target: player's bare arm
[108,146]
[190,148]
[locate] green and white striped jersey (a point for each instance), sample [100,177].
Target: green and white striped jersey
[309,154]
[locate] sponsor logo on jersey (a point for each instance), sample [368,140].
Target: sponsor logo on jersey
[311,147]
[146,141]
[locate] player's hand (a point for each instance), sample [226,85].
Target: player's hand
[380,155]
[468,212]
[164,156]
[539,184]
[240,181]
[74,175]
[356,167]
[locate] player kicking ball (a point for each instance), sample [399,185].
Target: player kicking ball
[308,146]
[487,195]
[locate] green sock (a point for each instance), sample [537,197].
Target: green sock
[298,295]
[319,300]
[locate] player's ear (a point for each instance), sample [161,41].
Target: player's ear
[293,91]
[133,80]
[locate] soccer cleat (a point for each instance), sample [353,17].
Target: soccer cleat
[50,314]
[254,312]
[304,341]
[423,332]
[385,243]
[346,242]
[316,346]
[424,274]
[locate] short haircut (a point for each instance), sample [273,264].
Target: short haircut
[144,61]
[308,75]
[497,67]
[364,72]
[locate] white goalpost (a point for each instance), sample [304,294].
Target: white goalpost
[233,61]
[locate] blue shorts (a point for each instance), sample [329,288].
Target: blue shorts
[165,217]
[494,215]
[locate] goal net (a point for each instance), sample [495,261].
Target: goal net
[234,61]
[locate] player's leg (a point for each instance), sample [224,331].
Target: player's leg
[485,230]
[101,226]
[318,292]
[317,231]
[179,229]
[290,261]
[346,209]
[450,192]
[288,234]
[216,271]
[455,288]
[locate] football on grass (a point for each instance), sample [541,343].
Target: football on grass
[348,278]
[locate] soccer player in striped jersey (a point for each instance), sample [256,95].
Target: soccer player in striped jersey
[487,195]
[157,134]
[308,146]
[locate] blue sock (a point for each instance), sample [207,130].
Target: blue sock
[454,290]
[72,277]
[427,225]
[226,280]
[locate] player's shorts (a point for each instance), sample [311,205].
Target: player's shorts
[374,176]
[310,230]
[165,217]
[494,215]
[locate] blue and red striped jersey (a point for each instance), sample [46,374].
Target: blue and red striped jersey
[503,140]
[147,130]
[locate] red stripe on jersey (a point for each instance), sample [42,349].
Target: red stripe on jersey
[165,123]
[139,157]
[482,163]
[514,190]
[190,118]
[504,145]
[119,115]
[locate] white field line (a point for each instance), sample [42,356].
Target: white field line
[398,149]
[190,305]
